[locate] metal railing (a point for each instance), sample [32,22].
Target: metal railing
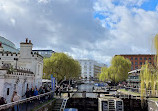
[48,95]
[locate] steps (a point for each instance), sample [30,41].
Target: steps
[111,105]
[57,105]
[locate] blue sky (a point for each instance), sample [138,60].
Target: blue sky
[150,5]
[92,29]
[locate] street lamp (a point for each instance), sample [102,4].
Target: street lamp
[16,59]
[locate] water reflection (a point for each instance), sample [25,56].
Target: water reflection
[88,87]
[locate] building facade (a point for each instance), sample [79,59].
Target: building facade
[44,53]
[134,79]
[19,71]
[8,45]
[90,68]
[138,60]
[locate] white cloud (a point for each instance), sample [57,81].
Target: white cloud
[12,21]
[43,1]
[69,26]
[133,2]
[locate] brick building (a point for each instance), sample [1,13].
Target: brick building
[137,60]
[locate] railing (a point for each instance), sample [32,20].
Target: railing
[38,97]
[138,90]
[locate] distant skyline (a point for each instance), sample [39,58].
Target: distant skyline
[91,29]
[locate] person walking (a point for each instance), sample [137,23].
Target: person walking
[16,98]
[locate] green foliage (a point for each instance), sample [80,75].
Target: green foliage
[149,75]
[61,65]
[118,71]
[11,69]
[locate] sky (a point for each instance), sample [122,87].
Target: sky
[84,29]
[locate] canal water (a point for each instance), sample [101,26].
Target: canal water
[88,87]
[90,103]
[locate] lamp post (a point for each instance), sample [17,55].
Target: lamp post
[16,59]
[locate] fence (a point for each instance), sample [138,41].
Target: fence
[28,103]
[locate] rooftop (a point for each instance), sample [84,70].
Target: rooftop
[136,55]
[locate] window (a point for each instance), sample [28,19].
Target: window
[140,58]
[7,91]
[140,63]
[135,58]
[136,63]
[131,58]
[85,67]
[145,58]
[149,58]
[136,67]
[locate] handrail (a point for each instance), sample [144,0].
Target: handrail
[6,106]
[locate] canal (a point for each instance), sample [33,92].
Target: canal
[88,87]
[90,102]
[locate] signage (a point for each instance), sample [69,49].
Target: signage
[53,82]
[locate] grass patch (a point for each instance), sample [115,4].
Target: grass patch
[153,99]
[128,92]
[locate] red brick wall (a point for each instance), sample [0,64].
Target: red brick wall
[138,60]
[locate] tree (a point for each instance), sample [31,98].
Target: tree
[149,75]
[118,71]
[61,66]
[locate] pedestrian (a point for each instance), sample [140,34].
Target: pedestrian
[27,94]
[32,92]
[41,90]
[12,100]
[56,91]
[16,98]
[35,92]
[2,101]
[60,89]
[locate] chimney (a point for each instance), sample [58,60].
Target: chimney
[26,49]
[29,41]
[26,40]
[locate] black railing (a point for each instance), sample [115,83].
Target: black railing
[28,103]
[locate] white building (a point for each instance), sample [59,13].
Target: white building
[19,71]
[90,68]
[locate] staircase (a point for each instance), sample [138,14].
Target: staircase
[111,105]
[57,105]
